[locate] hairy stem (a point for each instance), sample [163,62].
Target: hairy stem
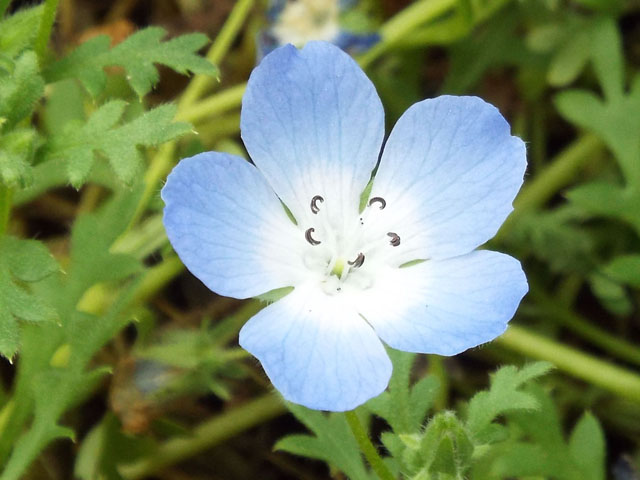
[366,447]
[214,105]
[46,24]
[618,380]
[206,436]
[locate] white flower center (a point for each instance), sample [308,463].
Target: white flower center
[304,20]
[347,256]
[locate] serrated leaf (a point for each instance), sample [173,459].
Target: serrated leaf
[21,262]
[137,55]
[587,447]
[79,144]
[20,89]
[18,31]
[504,395]
[332,442]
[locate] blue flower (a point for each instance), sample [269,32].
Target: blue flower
[314,127]
[300,21]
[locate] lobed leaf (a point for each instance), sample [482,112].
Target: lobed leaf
[504,395]
[137,55]
[79,144]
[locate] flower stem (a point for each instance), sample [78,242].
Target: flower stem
[403,23]
[6,195]
[217,51]
[618,380]
[205,436]
[46,24]
[213,105]
[366,447]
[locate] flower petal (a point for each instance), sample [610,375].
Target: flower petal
[228,226]
[313,124]
[445,306]
[317,351]
[449,173]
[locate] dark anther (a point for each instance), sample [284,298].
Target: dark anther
[395,239]
[309,238]
[314,203]
[357,263]
[380,200]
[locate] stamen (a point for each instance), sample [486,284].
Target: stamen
[357,263]
[314,204]
[309,238]
[395,239]
[380,200]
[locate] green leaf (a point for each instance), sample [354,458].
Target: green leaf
[333,442]
[16,151]
[625,269]
[569,60]
[18,31]
[22,262]
[611,294]
[608,59]
[20,89]
[587,447]
[137,55]
[79,144]
[504,395]
[603,198]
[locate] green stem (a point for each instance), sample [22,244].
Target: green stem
[618,380]
[46,24]
[6,195]
[4,4]
[213,105]
[558,174]
[405,22]
[367,448]
[218,50]
[207,435]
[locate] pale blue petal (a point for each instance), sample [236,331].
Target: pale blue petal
[317,351]
[445,306]
[229,228]
[313,124]
[449,173]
